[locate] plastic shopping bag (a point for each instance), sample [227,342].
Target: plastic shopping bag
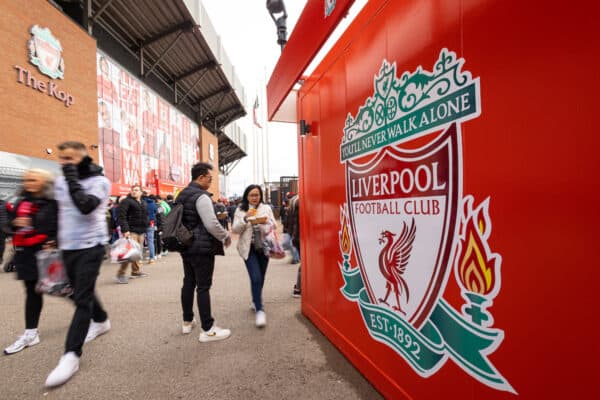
[125,250]
[272,246]
[53,277]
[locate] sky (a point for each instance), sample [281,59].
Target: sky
[249,37]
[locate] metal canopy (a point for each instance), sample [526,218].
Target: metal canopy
[168,44]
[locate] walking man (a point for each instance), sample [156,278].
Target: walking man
[199,258]
[133,220]
[82,197]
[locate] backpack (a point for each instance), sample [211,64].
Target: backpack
[175,236]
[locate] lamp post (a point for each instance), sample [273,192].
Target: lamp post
[279,15]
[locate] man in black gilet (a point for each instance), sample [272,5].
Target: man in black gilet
[199,258]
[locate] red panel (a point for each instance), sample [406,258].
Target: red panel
[310,33]
[531,151]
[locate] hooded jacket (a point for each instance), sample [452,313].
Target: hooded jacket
[82,196]
[152,209]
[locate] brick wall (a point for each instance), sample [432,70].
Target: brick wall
[206,139]
[34,119]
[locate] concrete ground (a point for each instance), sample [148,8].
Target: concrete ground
[145,356]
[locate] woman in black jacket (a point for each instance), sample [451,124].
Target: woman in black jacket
[33,219]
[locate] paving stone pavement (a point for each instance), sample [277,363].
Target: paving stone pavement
[145,355]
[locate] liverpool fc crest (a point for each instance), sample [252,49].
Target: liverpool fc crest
[45,51]
[406,225]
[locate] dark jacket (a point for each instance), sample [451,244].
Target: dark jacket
[151,207]
[4,228]
[231,210]
[293,223]
[133,215]
[27,242]
[85,203]
[204,243]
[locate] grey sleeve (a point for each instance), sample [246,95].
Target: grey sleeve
[206,212]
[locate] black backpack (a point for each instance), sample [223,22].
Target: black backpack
[175,236]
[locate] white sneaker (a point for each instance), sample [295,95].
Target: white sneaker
[25,340]
[252,307]
[66,368]
[96,329]
[188,326]
[214,333]
[261,319]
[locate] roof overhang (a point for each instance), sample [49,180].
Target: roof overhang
[229,151]
[169,46]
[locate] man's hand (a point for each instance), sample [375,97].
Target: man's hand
[70,171]
[228,241]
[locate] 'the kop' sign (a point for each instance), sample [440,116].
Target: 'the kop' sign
[45,52]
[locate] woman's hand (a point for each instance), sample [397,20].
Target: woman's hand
[49,245]
[251,212]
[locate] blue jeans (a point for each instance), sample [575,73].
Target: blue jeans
[288,245]
[150,240]
[256,264]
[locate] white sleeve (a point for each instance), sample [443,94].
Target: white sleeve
[239,225]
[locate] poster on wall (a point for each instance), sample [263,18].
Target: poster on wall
[142,138]
[408,231]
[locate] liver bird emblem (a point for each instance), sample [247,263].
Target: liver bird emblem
[393,259]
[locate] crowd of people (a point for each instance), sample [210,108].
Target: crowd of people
[74,214]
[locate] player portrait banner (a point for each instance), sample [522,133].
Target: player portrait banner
[142,138]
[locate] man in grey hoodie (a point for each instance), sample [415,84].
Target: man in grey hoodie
[82,195]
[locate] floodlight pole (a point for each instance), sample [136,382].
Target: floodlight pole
[277,12]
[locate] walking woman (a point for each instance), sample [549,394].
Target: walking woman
[33,219]
[252,219]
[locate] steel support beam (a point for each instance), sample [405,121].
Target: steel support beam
[199,68]
[215,93]
[184,26]
[141,61]
[102,8]
[87,16]
[218,103]
[227,110]
[173,43]
[193,86]
[231,118]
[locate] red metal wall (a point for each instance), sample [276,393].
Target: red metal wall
[532,151]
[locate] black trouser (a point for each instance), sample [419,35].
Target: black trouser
[82,268]
[33,305]
[157,243]
[2,244]
[197,274]
[298,284]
